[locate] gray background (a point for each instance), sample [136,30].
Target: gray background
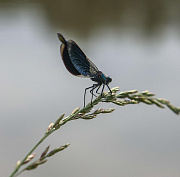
[137,43]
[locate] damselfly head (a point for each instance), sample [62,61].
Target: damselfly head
[108,80]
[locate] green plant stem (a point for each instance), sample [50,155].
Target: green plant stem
[41,140]
[19,172]
[30,152]
[135,98]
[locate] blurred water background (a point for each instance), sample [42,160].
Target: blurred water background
[137,43]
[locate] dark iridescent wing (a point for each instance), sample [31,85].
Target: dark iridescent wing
[65,56]
[67,61]
[83,65]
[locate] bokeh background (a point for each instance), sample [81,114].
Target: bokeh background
[137,43]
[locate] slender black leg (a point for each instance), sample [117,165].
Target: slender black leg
[109,88]
[98,89]
[85,94]
[91,91]
[102,90]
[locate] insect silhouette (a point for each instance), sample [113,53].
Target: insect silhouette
[78,64]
